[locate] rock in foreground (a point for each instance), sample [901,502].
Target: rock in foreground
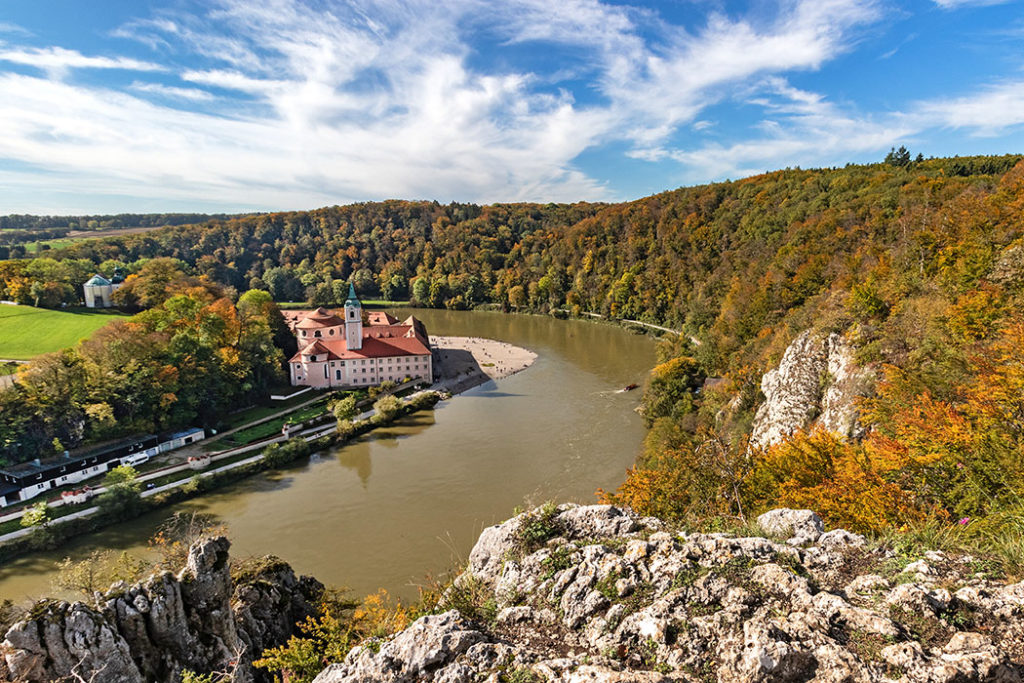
[596,593]
[200,620]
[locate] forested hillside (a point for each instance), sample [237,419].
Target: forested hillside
[726,261]
[919,265]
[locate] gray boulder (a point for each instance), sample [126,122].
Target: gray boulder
[605,596]
[796,527]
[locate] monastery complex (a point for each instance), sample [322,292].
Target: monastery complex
[354,350]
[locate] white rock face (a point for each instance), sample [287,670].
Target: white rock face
[153,630]
[816,383]
[607,597]
[796,527]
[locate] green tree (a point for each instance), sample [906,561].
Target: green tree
[37,515]
[421,290]
[280,454]
[344,409]
[123,491]
[386,408]
[671,389]
[898,157]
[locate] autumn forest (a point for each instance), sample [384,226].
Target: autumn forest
[918,264]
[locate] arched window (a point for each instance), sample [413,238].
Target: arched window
[317,334]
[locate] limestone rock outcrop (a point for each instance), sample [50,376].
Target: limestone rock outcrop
[816,384]
[599,594]
[199,619]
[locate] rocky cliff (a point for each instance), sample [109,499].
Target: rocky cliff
[200,619]
[816,384]
[574,594]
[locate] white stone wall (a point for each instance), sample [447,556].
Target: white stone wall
[97,296]
[362,372]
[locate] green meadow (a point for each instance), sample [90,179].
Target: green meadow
[26,331]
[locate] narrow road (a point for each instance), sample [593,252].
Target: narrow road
[655,327]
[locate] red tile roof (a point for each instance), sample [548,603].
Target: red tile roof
[321,317]
[380,318]
[379,341]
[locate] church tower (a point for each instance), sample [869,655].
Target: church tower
[353,321]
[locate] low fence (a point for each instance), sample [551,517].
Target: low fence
[282,397]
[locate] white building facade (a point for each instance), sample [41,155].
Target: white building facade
[338,351]
[98,290]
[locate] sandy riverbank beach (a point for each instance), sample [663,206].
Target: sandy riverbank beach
[464,362]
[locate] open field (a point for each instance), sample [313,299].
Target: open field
[112,232]
[79,235]
[35,247]
[26,331]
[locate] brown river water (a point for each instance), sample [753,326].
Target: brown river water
[410,500]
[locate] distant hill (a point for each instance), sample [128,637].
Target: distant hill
[105,221]
[24,234]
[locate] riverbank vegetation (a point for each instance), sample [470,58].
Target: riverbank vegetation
[920,265]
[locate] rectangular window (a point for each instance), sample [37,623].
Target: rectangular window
[337,374]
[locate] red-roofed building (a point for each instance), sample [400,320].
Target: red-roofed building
[339,351]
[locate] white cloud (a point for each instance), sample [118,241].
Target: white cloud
[172,92]
[988,111]
[8,27]
[801,128]
[59,59]
[956,4]
[364,100]
[234,80]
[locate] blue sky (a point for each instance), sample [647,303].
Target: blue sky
[226,105]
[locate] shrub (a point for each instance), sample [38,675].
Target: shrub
[386,409]
[98,571]
[37,515]
[536,528]
[122,494]
[280,454]
[340,624]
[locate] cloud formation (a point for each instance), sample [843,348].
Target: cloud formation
[956,4]
[282,105]
[60,59]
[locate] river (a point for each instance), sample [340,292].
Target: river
[410,500]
